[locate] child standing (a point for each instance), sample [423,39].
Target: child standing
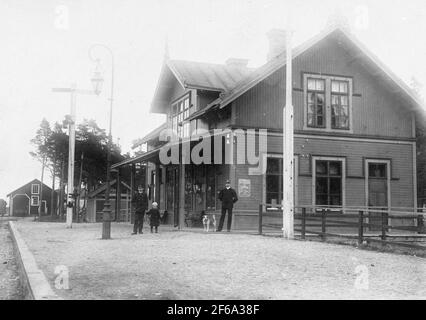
[154,216]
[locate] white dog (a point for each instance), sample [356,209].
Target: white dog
[207,219]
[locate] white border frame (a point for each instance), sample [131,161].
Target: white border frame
[328,79]
[341,159]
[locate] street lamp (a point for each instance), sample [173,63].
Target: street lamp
[97,82]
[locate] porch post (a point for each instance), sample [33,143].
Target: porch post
[182,193]
[157,184]
[118,198]
[132,190]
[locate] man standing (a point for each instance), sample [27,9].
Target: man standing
[228,196]
[140,204]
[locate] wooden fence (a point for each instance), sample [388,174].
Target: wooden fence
[362,224]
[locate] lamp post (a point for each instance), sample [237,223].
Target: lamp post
[97,81]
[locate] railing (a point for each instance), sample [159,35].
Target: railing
[367,224]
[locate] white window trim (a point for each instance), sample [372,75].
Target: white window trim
[38,201]
[388,169]
[328,80]
[341,159]
[38,188]
[295,177]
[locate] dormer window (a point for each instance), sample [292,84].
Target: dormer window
[179,113]
[328,103]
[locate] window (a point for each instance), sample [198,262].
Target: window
[377,170]
[328,183]
[34,200]
[35,188]
[180,112]
[327,102]
[316,102]
[339,104]
[274,182]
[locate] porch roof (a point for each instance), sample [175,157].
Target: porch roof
[149,155]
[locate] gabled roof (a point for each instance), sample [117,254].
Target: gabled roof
[215,77]
[197,75]
[278,62]
[31,182]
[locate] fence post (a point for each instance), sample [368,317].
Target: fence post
[361,227]
[420,224]
[260,218]
[384,224]
[303,223]
[323,224]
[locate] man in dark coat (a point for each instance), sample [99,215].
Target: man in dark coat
[140,204]
[228,196]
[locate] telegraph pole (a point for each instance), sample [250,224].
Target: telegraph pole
[288,148]
[71,150]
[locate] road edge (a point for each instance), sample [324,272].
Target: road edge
[33,280]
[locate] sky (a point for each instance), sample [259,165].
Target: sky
[45,45]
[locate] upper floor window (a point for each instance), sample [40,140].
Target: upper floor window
[35,188]
[316,102]
[180,112]
[339,104]
[327,102]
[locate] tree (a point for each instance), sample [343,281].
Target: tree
[90,153]
[42,152]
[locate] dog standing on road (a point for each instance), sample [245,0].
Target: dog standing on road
[207,219]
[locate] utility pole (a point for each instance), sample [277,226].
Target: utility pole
[71,150]
[288,148]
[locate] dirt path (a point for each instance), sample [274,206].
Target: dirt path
[10,288]
[186,265]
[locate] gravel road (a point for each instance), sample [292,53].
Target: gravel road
[189,265]
[10,288]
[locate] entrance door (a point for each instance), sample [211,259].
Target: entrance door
[377,190]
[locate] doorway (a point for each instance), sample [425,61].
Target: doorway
[377,173]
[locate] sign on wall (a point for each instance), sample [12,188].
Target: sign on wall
[244,188]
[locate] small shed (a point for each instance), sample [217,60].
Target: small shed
[96,199]
[26,200]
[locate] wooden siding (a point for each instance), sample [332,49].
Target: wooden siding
[355,152]
[376,110]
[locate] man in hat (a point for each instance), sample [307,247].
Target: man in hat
[228,196]
[140,204]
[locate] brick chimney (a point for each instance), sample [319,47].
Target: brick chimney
[277,41]
[236,62]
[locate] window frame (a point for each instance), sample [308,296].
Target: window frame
[314,177]
[32,202]
[32,188]
[324,104]
[327,115]
[295,177]
[178,116]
